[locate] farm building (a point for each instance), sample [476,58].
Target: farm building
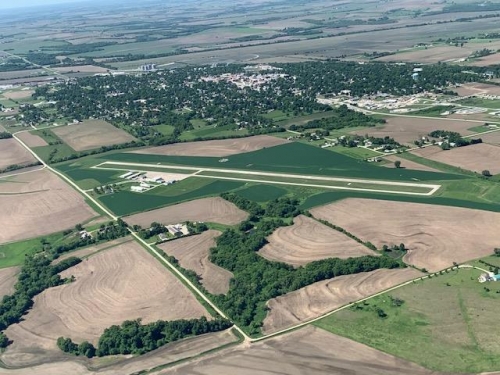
[137,189]
[178,229]
[488,276]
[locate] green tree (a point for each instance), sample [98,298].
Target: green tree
[397,163]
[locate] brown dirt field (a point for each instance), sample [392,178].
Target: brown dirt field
[308,240]
[192,253]
[488,60]
[118,284]
[39,203]
[408,129]
[14,95]
[492,138]
[32,140]
[81,69]
[215,210]
[92,134]
[408,164]
[8,277]
[477,88]
[218,148]
[436,236]
[122,364]
[11,152]
[324,296]
[474,157]
[88,251]
[310,351]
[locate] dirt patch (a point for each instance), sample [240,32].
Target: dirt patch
[474,157]
[310,351]
[324,296]
[215,210]
[476,89]
[38,203]
[8,278]
[118,284]
[32,140]
[308,240]
[192,253]
[14,95]
[11,152]
[409,129]
[436,236]
[492,138]
[91,134]
[407,164]
[81,69]
[218,148]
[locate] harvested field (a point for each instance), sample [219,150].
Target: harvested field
[488,60]
[310,351]
[218,148]
[476,89]
[324,296]
[11,152]
[436,236]
[308,240]
[118,284]
[409,129]
[92,134]
[216,210]
[38,203]
[192,254]
[32,140]
[173,352]
[8,277]
[492,138]
[81,69]
[14,95]
[408,164]
[89,251]
[474,157]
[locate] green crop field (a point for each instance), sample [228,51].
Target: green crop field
[126,202]
[261,193]
[296,158]
[446,323]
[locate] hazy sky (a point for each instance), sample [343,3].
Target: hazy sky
[28,3]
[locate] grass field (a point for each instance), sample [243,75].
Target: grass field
[88,178]
[479,102]
[212,131]
[126,202]
[262,193]
[296,158]
[355,152]
[13,254]
[446,323]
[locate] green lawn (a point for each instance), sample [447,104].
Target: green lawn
[13,254]
[164,129]
[355,152]
[446,323]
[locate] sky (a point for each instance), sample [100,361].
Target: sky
[5,4]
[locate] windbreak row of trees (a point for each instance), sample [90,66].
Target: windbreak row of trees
[133,337]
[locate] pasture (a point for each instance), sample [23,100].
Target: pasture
[307,240]
[324,296]
[446,323]
[476,158]
[435,236]
[91,134]
[11,152]
[39,203]
[215,210]
[216,148]
[106,292]
[192,253]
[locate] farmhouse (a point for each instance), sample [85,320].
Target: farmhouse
[178,230]
[488,276]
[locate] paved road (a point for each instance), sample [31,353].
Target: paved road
[51,71]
